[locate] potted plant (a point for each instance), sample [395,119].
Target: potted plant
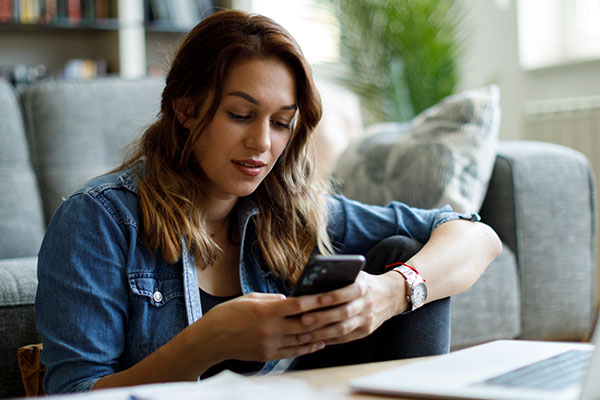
[402,55]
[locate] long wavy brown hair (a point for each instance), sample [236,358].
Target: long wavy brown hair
[293,218]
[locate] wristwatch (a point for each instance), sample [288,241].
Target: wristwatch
[416,289]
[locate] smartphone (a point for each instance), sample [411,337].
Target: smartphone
[325,273]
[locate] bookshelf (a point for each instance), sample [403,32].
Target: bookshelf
[86,38]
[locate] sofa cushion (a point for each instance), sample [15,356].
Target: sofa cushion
[443,156]
[79,129]
[21,216]
[18,283]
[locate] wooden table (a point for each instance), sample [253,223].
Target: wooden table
[335,380]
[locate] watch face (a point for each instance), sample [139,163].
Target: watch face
[419,295]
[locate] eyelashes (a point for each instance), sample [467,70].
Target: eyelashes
[240,118]
[281,125]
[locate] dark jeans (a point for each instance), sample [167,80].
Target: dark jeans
[424,332]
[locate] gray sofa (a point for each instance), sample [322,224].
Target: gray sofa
[57,134]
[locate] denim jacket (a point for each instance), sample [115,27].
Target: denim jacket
[104,302]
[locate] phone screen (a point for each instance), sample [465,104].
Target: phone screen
[326,273]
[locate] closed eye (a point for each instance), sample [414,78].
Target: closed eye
[238,117]
[281,125]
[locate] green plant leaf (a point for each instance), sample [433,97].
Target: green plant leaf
[403,54]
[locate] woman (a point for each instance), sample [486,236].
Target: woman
[177,264]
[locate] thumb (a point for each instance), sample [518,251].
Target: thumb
[266,296]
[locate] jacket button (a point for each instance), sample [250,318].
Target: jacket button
[157,296]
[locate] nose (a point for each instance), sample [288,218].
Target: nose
[259,136]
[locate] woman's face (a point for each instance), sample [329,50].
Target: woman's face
[250,129]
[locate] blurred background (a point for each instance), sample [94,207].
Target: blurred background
[403,56]
[398,56]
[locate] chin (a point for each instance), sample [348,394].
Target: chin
[245,191]
[245,187]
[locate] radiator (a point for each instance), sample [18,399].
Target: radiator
[573,122]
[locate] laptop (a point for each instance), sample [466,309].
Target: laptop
[502,369]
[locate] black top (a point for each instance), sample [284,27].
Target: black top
[209,301]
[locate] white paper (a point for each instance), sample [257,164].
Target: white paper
[224,386]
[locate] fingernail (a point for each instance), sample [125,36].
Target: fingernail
[320,345]
[326,300]
[308,320]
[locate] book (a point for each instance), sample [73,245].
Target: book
[6,11]
[74,11]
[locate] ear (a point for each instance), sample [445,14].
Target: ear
[184,112]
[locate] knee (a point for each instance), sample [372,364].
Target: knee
[390,250]
[399,244]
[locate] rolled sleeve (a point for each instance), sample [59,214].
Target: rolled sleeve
[356,227]
[446,214]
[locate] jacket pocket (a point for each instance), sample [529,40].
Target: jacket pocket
[158,289]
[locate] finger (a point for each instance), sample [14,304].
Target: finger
[344,339]
[341,332]
[292,326]
[320,318]
[343,295]
[293,340]
[302,304]
[293,306]
[265,296]
[275,335]
[295,351]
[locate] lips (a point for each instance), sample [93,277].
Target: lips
[250,163]
[249,167]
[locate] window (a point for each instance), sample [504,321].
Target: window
[556,32]
[311,22]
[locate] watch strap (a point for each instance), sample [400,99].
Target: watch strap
[413,279]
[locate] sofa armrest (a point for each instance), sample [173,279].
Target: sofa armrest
[18,284]
[540,201]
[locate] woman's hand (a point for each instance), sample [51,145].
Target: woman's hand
[358,309]
[261,327]
[257,327]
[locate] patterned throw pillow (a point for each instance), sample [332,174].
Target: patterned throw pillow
[445,155]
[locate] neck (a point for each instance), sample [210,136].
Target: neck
[216,229]
[218,216]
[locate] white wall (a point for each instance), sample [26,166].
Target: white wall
[492,56]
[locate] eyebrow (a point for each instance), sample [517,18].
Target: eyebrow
[252,100]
